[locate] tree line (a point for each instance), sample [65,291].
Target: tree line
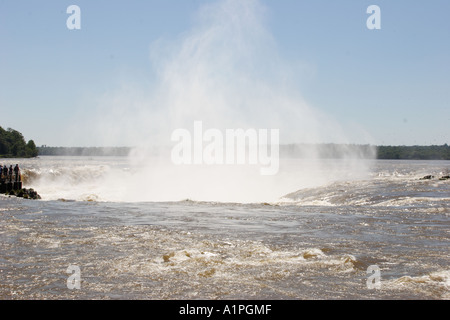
[13,145]
[414,152]
[83,151]
[330,151]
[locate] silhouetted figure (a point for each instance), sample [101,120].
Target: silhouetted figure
[10,173]
[17,173]
[5,172]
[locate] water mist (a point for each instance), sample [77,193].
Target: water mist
[225,72]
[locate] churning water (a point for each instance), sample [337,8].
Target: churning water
[316,241]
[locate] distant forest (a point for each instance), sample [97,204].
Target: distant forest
[80,151]
[329,151]
[414,152]
[13,145]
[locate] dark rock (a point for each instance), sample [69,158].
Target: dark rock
[30,194]
[23,193]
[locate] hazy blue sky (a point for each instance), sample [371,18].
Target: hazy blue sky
[393,83]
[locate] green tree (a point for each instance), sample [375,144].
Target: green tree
[31,150]
[12,144]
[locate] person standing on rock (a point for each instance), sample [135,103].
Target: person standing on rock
[17,173]
[5,172]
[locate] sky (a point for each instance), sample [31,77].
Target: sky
[132,61]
